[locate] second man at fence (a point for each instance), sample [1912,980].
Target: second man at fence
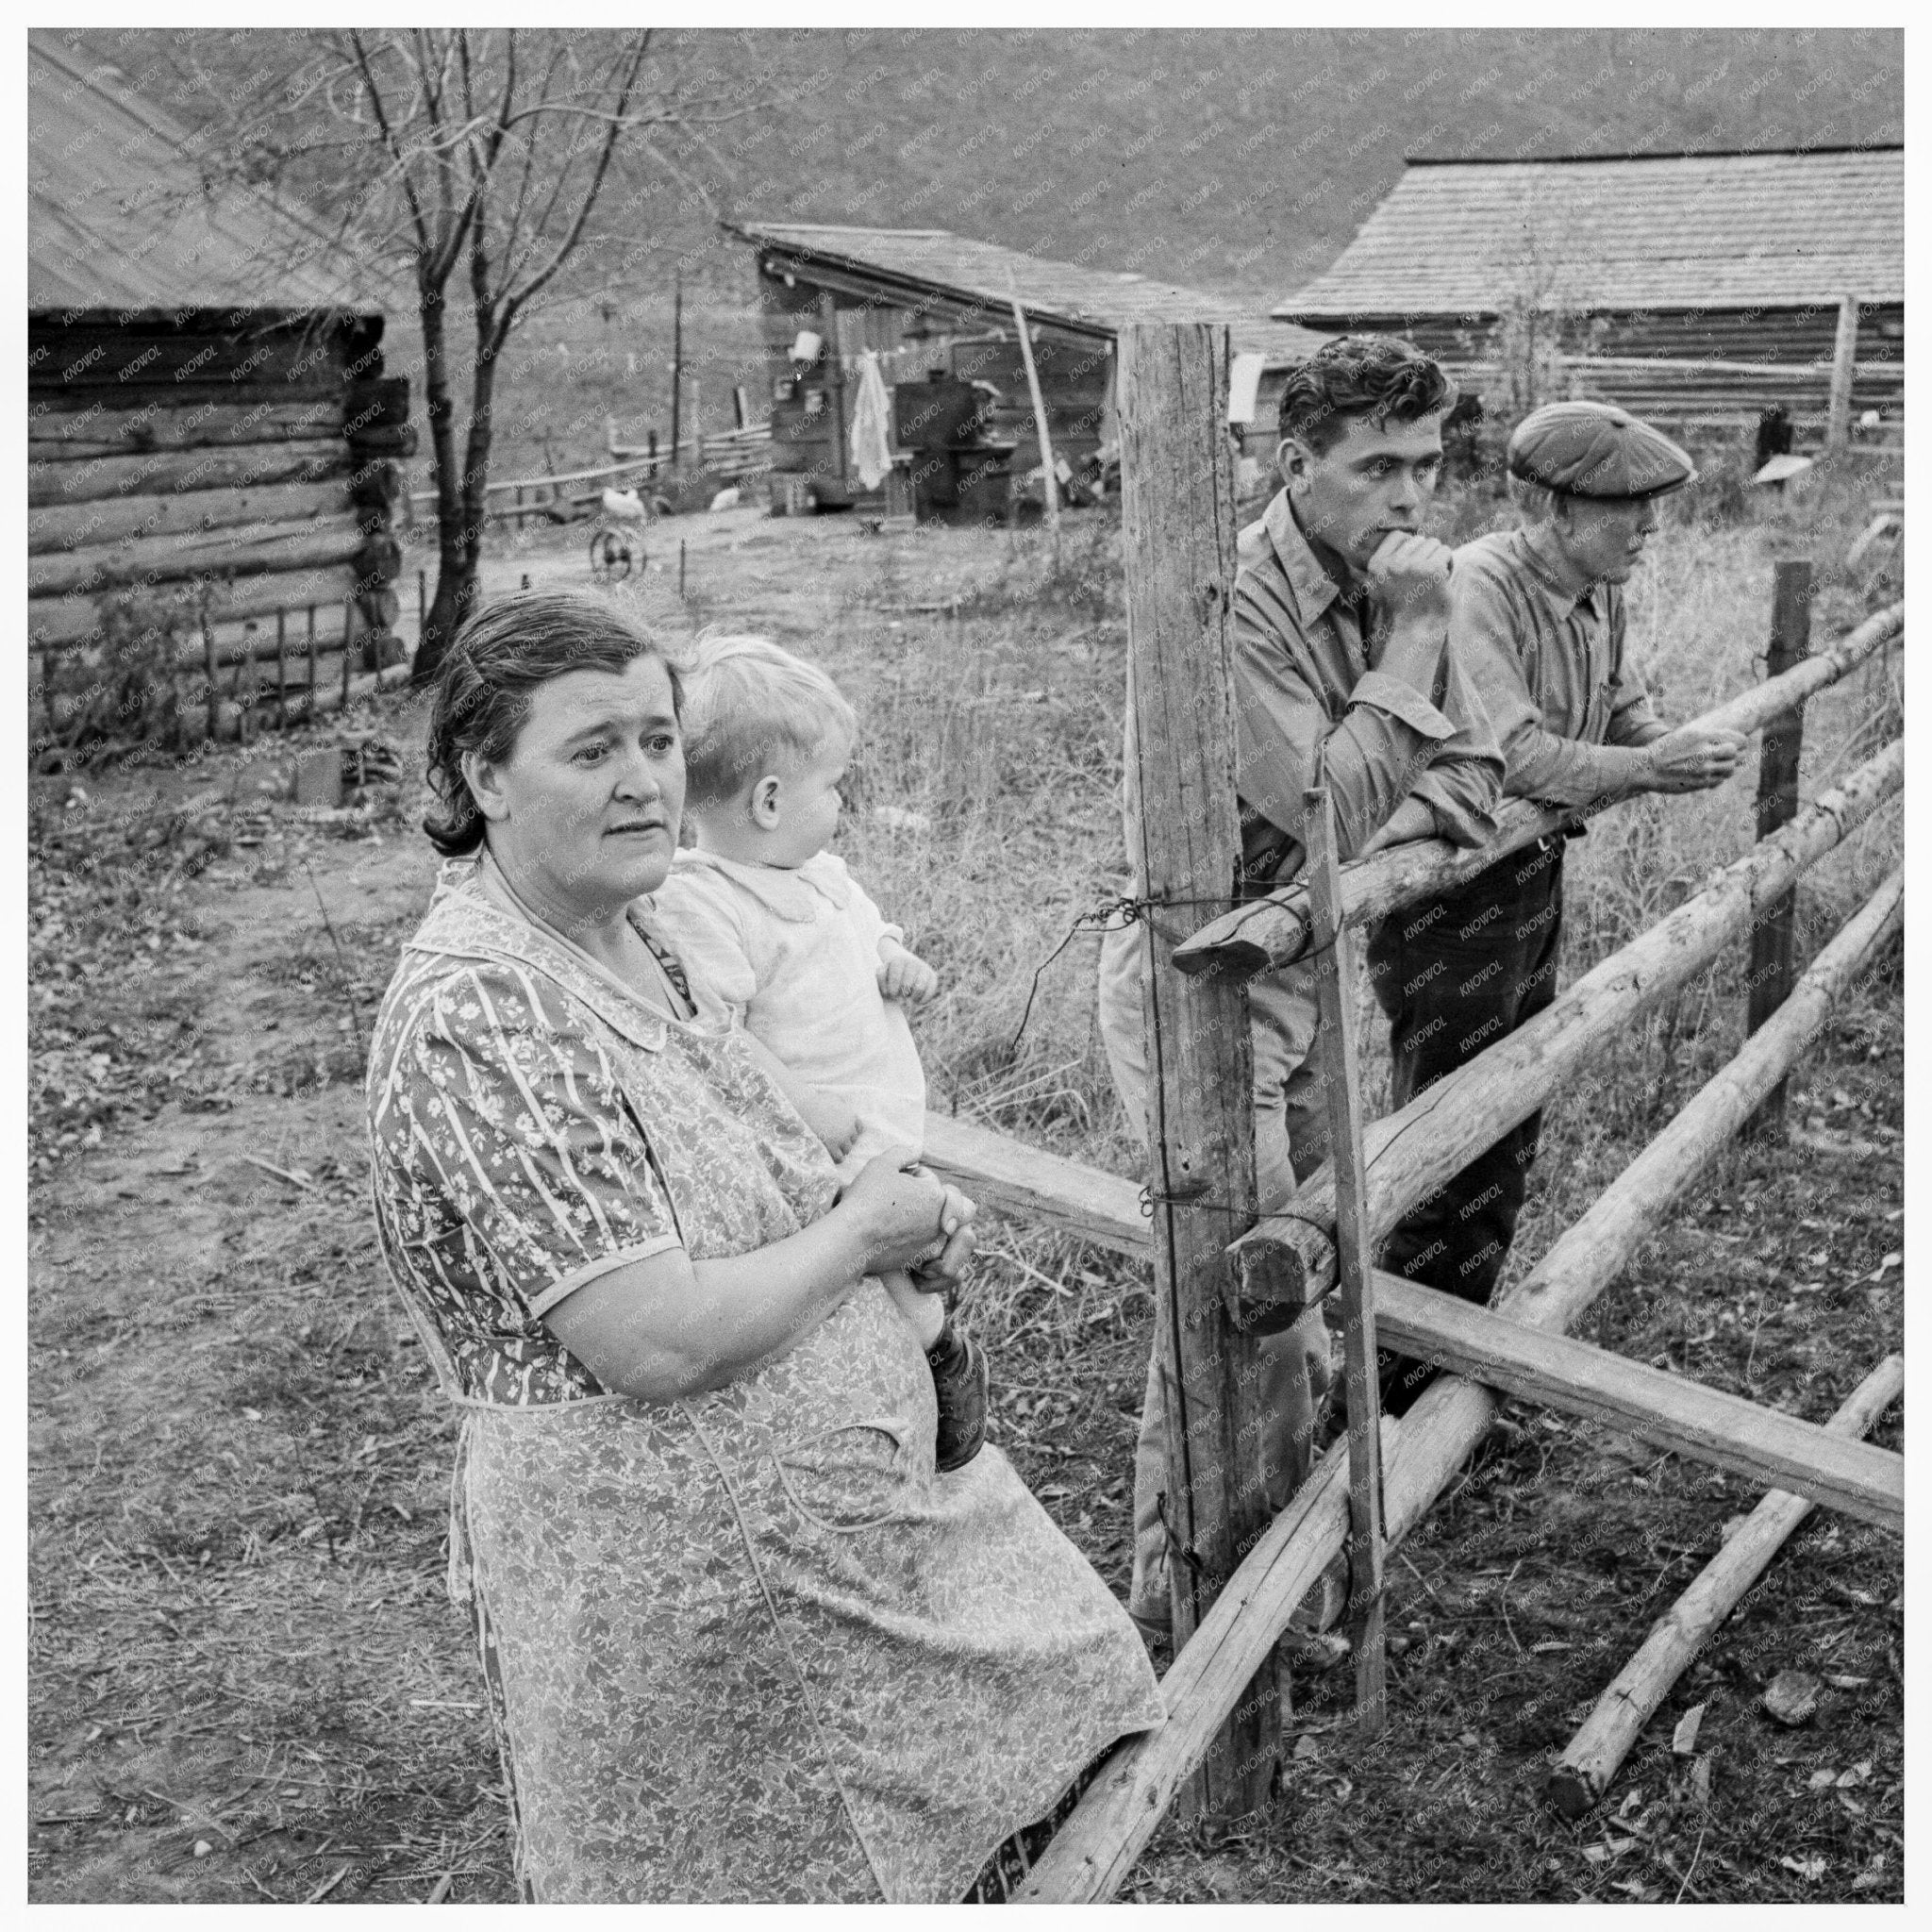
[1538,623]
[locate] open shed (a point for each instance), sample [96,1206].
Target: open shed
[211,464]
[937,309]
[1693,287]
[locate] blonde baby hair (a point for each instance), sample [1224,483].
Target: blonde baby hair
[747,704]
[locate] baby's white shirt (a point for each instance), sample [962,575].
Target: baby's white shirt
[794,953]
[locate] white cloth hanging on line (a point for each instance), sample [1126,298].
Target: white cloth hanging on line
[872,413]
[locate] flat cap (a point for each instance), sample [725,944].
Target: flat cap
[1596,449]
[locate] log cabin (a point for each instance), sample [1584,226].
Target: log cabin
[213,447]
[1695,289]
[937,309]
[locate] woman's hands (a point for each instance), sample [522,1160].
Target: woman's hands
[668,1326]
[908,1216]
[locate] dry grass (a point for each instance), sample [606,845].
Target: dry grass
[239,1634]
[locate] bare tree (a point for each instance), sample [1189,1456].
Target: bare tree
[492,153]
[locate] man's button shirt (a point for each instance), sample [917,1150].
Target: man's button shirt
[1553,671]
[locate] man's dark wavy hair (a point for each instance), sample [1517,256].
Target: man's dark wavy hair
[1379,377]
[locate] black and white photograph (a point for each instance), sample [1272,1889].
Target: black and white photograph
[964,963]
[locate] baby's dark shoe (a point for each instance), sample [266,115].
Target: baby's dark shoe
[960,1382]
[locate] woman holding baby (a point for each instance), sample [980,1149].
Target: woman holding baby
[743,1639]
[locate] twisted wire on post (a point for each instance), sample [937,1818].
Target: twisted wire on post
[1114,915]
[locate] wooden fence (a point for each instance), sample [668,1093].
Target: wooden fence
[1683,394]
[732,454]
[1234,1598]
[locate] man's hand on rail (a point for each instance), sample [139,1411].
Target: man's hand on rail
[1693,757]
[1410,821]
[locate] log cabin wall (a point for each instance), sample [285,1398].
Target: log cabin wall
[1804,336]
[238,468]
[1701,372]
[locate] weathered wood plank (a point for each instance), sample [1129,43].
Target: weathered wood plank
[70,621]
[1094,1851]
[53,477]
[1779,754]
[190,512]
[1590,1761]
[119,425]
[302,362]
[1177,533]
[1273,932]
[1570,1276]
[315,542]
[369,408]
[1335,988]
[1844,363]
[1013,1178]
[1421,1145]
[1670,1412]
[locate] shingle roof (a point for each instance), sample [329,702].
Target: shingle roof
[117,217]
[1631,231]
[933,261]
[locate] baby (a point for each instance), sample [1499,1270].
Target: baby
[768,921]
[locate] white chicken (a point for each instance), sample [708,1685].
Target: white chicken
[624,505]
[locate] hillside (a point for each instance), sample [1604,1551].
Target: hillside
[1239,161]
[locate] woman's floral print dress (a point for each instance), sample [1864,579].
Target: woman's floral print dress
[745,1645]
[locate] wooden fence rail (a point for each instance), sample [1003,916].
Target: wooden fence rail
[1094,1850]
[1593,1755]
[729,453]
[1275,931]
[1421,1145]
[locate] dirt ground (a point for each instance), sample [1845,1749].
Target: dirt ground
[247,1681]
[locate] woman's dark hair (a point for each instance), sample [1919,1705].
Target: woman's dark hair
[1376,376]
[482,693]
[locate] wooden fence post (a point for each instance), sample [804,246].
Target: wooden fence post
[1777,804]
[677,366]
[209,664]
[1844,362]
[244,684]
[1177,520]
[1335,990]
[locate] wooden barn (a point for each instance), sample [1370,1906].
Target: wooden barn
[1697,288]
[937,310]
[212,445]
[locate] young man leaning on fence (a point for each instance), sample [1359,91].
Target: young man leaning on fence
[1341,676]
[1536,622]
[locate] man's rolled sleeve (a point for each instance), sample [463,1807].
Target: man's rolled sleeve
[1632,720]
[1403,701]
[1463,783]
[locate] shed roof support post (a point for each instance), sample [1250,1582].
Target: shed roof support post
[1177,519]
[1844,361]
